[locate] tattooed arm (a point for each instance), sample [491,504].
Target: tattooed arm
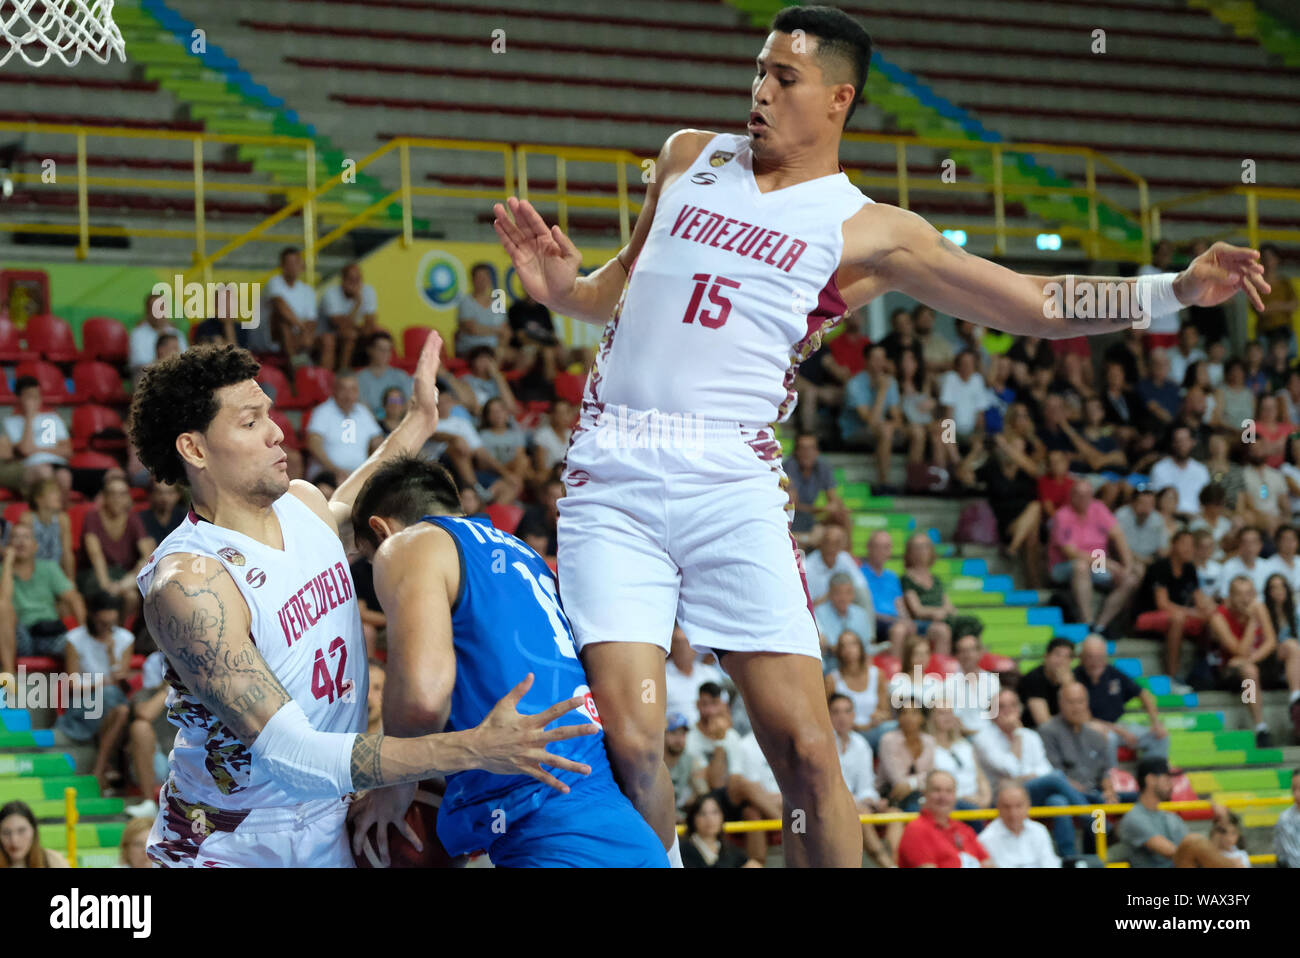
[887,248]
[201,623]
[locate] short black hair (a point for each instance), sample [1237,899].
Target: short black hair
[835,697]
[1213,494]
[287,252]
[407,489]
[711,689]
[478,351]
[103,602]
[178,394]
[1057,642]
[25,382]
[842,43]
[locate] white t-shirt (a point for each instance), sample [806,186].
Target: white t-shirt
[1259,574]
[818,578]
[1209,576]
[300,297]
[1178,363]
[958,760]
[858,765]
[335,302]
[965,399]
[346,446]
[143,343]
[1222,526]
[1000,762]
[555,445]
[683,691]
[45,426]
[1292,572]
[753,764]
[1032,848]
[456,426]
[1189,480]
[93,656]
[701,747]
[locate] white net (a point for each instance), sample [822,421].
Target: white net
[39,29]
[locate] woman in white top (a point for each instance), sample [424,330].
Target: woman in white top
[954,754]
[859,679]
[912,681]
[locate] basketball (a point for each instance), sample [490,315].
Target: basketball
[423,820]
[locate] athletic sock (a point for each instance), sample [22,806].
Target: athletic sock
[1261,727]
[1294,695]
[675,854]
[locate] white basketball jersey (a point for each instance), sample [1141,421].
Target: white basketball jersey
[732,289]
[307,626]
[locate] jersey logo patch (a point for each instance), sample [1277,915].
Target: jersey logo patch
[256,578]
[577,477]
[720,157]
[704,178]
[233,556]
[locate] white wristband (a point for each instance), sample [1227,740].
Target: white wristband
[306,763]
[1155,297]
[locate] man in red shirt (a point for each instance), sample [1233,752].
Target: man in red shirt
[849,347]
[933,839]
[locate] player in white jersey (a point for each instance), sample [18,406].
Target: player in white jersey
[745,251]
[252,602]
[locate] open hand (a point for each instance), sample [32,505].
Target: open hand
[1220,273]
[545,260]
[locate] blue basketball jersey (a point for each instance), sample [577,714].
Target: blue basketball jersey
[507,622]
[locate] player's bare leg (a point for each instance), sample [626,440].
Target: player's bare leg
[627,682]
[785,698]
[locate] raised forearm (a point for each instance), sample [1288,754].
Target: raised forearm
[379,760]
[594,296]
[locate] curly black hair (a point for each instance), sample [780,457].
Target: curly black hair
[178,395]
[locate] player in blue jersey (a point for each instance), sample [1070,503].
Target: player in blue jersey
[470,610]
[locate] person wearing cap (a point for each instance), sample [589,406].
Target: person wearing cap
[1160,839]
[685,770]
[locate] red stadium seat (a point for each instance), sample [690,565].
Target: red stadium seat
[990,662]
[12,349]
[14,511]
[7,397]
[942,665]
[52,338]
[104,339]
[77,520]
[39,663]
[89,421]
[99,383]
[570,386]
[505,517]
[279,383]
[93,460]
[1122,781]
[53,387]
[413,338]
[313,384]
[887,664]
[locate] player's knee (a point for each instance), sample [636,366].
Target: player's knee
[636,753]
[809,758]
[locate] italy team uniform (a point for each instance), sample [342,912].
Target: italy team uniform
[507,622]
[219,807]
[676,504]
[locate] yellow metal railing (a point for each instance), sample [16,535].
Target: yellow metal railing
[1252,194]
[198,185]
[1046,811]
[72,817]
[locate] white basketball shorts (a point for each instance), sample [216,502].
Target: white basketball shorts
[668,516]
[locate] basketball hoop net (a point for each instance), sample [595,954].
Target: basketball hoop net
[61,28]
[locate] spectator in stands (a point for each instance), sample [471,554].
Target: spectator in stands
[1247,562]
[1248,651]
[540,523]
[973,691]
[1289,395]
[39,438]
[920,408]
[1263,500]
[936,348]
[1109,691]
[1225,836]
[225,327]
[1198,378]
[819,386]
[13,474]
[1144,529]
[1182,472]
[1281,302]
[40,595]
[893,622]
[954,753]
[1167,510]
[1159,394]
[933,839]
[1187,353]
[1008,750]
[1123,410]
[20,840]
[963,396]
[705,845]
[166,510]
[916,661]
[1271,432]
[505,442]
[872,413]
[1160,839]
[379,374]
[859,680]
[392,409]
[1285,560]
[685,771]
[1236,399]
[142,347]
[684,673]
[1290,472]
[51,525]
[1172,602]
[485,378]
[906,757]
[840,613]
[858,767]
[116,546]
[935,615]
[810,477]
[479,321]
[1278,366]
[714,733]
[1040,687]
[1077,749]
[902,339]
[1056,484]
[549,442]
[831,557]
[327,483]
[1213,517]
[375,700]
[531,324]
[347,310]
[342,432]
[1162,330]
[1256,374]
[289,315]
[150,735]
[1010,479]
[1286,833]
[131,849]
[1097,448]
[1081,533]
[1002,394]
[97,658]
[1225,468]
[1013,839]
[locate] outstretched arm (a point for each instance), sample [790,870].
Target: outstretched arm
[887,248]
